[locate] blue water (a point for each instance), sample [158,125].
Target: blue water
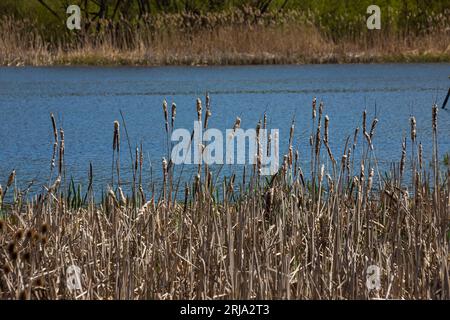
[87,100]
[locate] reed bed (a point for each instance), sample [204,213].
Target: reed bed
[288,236]
[238,36]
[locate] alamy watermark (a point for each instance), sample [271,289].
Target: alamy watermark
[74,20]
[208,147]
[373,278]
[73,278]
[374,20]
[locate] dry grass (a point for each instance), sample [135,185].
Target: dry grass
[287,237]
[236,37]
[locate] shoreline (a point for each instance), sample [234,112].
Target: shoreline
[104,61]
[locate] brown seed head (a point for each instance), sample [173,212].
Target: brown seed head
[412,121]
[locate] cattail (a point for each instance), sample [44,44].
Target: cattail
[199,109]
[207,116]
[116,139]
[284,166]
[314,108]
[370,180]
[61,150]
[269,199]
[166,115]
[19,234]
[23,295]
[355,137]
[26,256]
[269,140]
[136,159]
[412,121]
[55,132]
[403,159]
[11,248]
[112,196]
[327,120]
[290,156]
[364,121]
[318,143]
[237,124]
[320,110]
[123,199]
[207,101]
[347,164]
[362,174]
[11,178]
[174,113]
[372,128]
[291,133]
[44,228]
[434,116]
[6,269]
[344,160]
[321,172]
[55,185]
[164,166]
[265,121]
[28,234]
[420,155]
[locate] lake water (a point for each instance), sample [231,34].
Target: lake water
[86,101]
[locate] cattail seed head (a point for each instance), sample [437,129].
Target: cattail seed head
[174,113]
[320,110]
[11,178]
[372,128]
[6,269]
[420,154]
[321,172]
[199,109]
[412,121]
[164,166]
[327,120]
[44,228]
[237,124]
[19,234]
[403,159]
[364,121]
[355,137]
[26,256]
[164,106]
[314,108]
[123,199]
[12,251]
[28,234]
[207,116]
[434,116]
[291,133]
[23,295]
[269,199]
[55,132]
[207,101]
[116,138]
[318,142]
[290,156]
